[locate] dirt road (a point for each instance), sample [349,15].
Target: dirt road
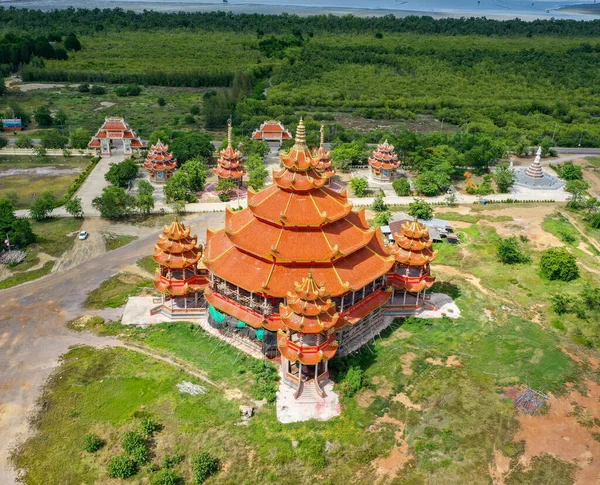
[33,335]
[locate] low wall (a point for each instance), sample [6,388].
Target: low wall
[51,152]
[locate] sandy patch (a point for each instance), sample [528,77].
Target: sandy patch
[34,86]
[233,394]
[104,105]
[561,434]
[399,334]
[406,402]
[499,466]
[451,361]
[382,388]
[406,360]
[388,467]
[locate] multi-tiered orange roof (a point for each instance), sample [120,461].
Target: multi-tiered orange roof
[159,158]
[297,226]
[308,311]
[413,248]
[177,250]
[325,157]
[229,165]
[384,157]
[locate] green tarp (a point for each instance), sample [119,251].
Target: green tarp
[260,333]
[241,324]
[218,316]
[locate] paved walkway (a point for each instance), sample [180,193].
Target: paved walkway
[33,334]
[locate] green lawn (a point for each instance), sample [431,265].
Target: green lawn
[114,241]
[31,184]
[115,291]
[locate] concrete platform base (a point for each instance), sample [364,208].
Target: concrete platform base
[137,312]
[291,410]
[445,307]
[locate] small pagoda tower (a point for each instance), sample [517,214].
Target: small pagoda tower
[384,163]
[160,163]
[411,275]
[178,278]
[229,165]
[535,169]
[324,157]
[307,340]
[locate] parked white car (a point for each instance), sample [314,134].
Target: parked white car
[83,235]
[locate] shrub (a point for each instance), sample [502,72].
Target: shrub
[122,467]
[561,304]
[352,381]
[204,466]
[359,185]
[509,252]
[132,440]
[379,204]
[92,443]
[141,454]
[189,120]
[96,89]
[161,101]
[83,88]
[267,381]
[149,426]
[401,186]
[195,110]
[558,264]
[420,209]
[165,477]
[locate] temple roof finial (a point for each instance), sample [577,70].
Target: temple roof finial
[300,135]
[229,129]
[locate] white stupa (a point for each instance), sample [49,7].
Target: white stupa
[534,177]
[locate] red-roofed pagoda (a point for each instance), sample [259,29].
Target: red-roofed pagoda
[178,277]
[272,131]
[229,165]
[325,158]
[295,227]
[115,129]
[411,276]
[384,163]
[160,163]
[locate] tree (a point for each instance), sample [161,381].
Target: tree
[16,111]
[43,116]
[18,230]
[60,118]
[546,146]
[345,154]
[558,264]
[83,88]
[569,171]
[509,251]
[121,174]
[24,141]
[3,140]
[359,185]
[257,172]
[163,134]
[98,90]
[72,43]
[161,102]
[177,187]
[382,218]
[54,139]
[590,296]
[195,109]
[114,203]
[504,178]
[595,220]
[420,209]
[191,145]
[73,206]
[145,199]
[401,186]
[226,189]
[257,147]
[197,170]
[578,190]
[379,204]
[80,137]
[42,206]
[433,182]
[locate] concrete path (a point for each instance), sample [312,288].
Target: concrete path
[33,334]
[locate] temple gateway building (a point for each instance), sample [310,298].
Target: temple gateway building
[298,274]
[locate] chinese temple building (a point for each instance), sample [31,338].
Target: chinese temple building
[411,275]
[384,163]
[160,163]
[300,238]
[229,165]
[272,131]
[115,129]
[325,158]
[179,278]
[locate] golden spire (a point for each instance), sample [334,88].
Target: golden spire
[229,132]
[322,136]
[300,136]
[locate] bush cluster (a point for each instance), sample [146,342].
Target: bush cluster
[92,443]
[204,466]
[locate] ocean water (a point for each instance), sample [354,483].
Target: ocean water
[526,9]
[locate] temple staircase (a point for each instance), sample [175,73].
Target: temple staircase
[309,392]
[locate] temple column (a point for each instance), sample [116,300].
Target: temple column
[127,147]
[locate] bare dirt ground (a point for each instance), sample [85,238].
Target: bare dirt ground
[389,466]
[33,334]
[566,432]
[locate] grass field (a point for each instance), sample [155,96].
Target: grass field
[114,292]
[114,241]
[29,176]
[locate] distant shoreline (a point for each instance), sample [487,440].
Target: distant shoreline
[568,12]
[585,9]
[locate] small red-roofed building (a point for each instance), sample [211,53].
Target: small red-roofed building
[384,163]
[229,164]
[272,131]
[115,129]
[411,274]
[178,279]
[160,163]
